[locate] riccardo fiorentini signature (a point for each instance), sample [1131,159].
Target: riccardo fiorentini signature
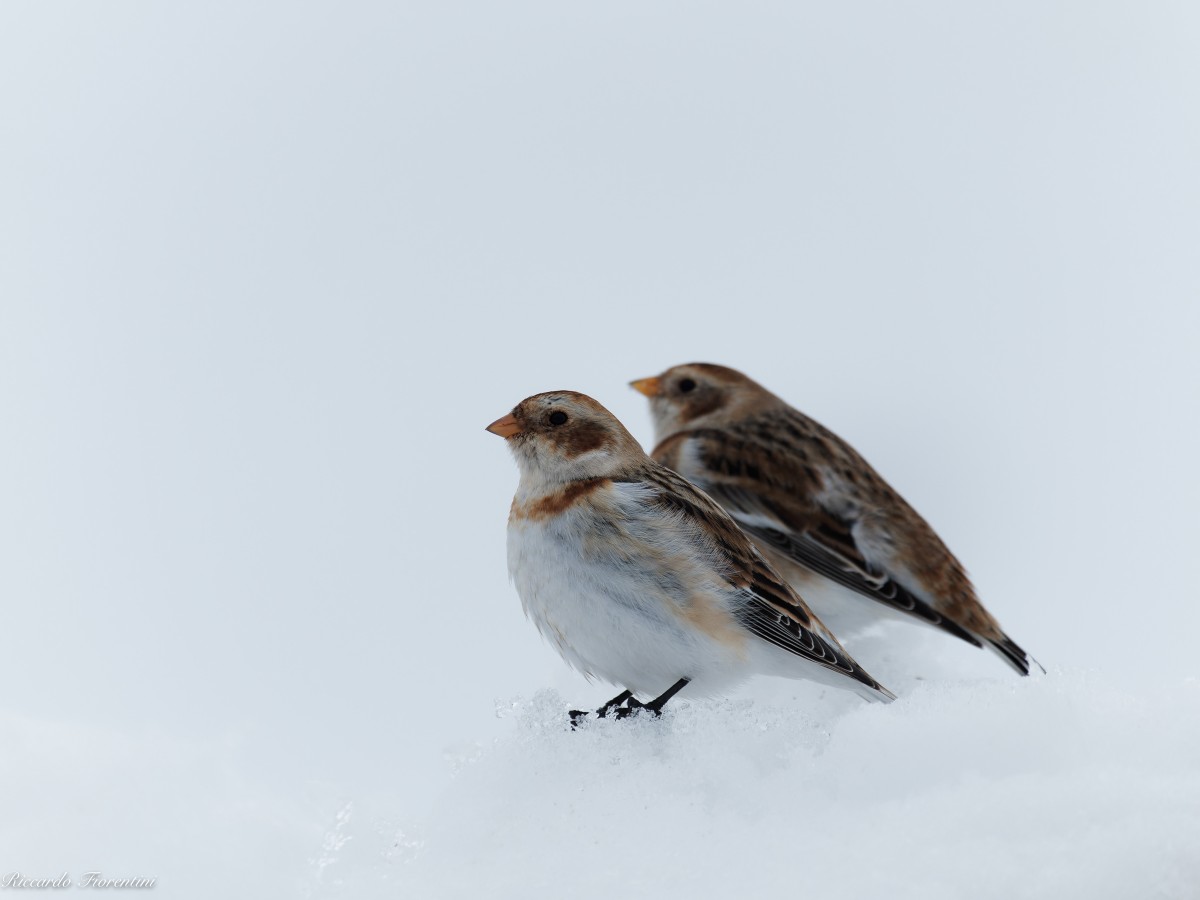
[86,880]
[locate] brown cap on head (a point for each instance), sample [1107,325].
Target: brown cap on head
[700,395]
[565,435]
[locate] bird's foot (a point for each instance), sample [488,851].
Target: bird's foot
[625,705]
[634,705]
[577,716]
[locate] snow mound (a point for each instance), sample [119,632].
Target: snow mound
[1043,787]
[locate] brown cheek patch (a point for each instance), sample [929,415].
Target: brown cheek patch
[582,437]
[559,501]
[700,403]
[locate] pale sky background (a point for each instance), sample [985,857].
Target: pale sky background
[268,269]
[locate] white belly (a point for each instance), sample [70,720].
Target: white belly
[611,620]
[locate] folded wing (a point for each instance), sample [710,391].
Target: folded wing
[769,608]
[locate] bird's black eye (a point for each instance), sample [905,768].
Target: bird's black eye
[687,385]
[558,417]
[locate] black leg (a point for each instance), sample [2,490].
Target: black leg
[578,715]
[613,703]
[660,701]
[655,706]
[625,704]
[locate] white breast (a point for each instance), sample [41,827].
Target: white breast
[589,587]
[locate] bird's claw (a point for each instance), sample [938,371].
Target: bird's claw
[625,705]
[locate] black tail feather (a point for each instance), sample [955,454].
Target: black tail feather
[1011,653]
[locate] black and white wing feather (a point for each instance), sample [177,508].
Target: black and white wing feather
[771,609]
[828,547]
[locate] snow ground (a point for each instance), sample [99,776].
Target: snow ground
[268,269]
[1068,784]
[1060,786]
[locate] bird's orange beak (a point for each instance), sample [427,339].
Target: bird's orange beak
[648,386]
[505,426]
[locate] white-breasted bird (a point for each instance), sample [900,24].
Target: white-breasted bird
[638,578]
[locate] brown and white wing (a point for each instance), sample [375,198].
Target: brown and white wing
[771,610]
[801,491]
[826,545]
